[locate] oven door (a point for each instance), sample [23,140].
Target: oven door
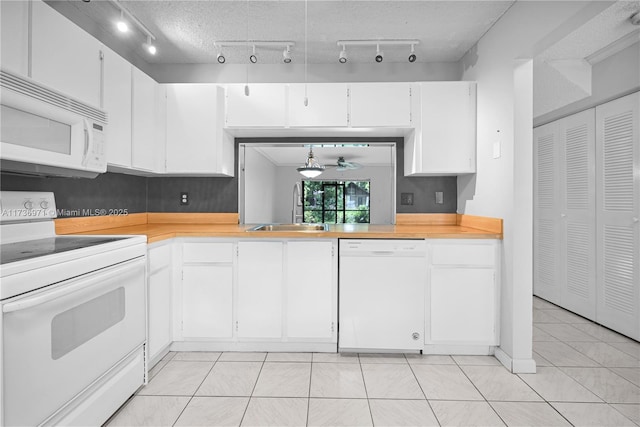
[59,340]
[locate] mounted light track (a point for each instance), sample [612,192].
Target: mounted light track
[127,17]
[254,44]
[379,57]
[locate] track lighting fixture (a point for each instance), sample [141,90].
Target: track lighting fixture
[377,43]
[635,18]
[286,55]
[253,44]
[412,55]
[122,24]
[379,54]
[127,19]
[151,48]
[343,55]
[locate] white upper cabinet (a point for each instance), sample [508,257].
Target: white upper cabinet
[327,106]
[196,141]
[117,104]
[143,139]
[264,107]
[444,140]
[380,104]
[14,36]
[63,56]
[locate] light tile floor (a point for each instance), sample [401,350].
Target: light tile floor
[587,376]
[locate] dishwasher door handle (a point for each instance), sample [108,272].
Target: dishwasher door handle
[383,252]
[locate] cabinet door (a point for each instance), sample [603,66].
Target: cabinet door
[463,306]
[159,310]
[310,307]
[14,36]
[327,105]
[196,143]
[160,119]
[117,104]
[63,56]
[618,214]
[380,104]
[445,130]
[143,121]
[207,301]
[260,289]
[264,107]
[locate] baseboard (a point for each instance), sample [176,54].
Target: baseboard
[516,366]
[254,346]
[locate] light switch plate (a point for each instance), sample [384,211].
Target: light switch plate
[497,150]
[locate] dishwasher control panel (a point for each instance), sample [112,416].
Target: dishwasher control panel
[382,247]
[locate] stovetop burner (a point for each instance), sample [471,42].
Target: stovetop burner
[20,251]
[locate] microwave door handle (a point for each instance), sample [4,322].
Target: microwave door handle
[109,276]
[88,142]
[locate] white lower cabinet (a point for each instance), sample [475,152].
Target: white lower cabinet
[159,300]
[462,296]
[256,295]
[260,290]
[311,299]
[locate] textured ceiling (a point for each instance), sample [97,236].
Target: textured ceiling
[603,35]
[295,155]
[186,30]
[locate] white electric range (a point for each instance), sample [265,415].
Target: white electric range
[73,322]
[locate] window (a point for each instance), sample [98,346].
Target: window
[336,202]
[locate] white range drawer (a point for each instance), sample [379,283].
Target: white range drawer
[463,253]
[207,252]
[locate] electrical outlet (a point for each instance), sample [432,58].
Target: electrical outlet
[184,198]
[406,198]
[439,197]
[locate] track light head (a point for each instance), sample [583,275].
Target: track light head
[151,48]
[220,57]
[412,55]
[122,25]
[286,55]
[253,58]
[635,18]
[343,55]
[379,54]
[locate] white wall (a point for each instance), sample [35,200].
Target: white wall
[294,73]
[259,188]
[502,187]
[382,190]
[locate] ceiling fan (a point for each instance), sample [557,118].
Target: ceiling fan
[342,165]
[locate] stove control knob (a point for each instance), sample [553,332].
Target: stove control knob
[44,204]
[28,204]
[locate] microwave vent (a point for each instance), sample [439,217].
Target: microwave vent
[32,89]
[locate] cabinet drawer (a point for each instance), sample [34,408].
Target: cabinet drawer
[464,254]
[207,252]
[159,257]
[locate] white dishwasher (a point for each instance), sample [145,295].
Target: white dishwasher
[382,288]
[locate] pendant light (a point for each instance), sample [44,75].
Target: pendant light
[311,168]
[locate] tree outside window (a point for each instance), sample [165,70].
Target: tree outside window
[336,202]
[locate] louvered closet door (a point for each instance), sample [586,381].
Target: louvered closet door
[618,209]
[546,213]
[577,213]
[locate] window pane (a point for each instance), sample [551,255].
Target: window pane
[340,197]
[330,216]
[312,216]
[340,218]
[329,197]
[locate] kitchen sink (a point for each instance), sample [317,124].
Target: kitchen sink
[290,227]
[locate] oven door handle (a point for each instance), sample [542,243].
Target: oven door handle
[90,282]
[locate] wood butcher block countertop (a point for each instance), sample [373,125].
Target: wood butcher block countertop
[161,226]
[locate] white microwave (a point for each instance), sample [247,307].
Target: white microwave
[44,132]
